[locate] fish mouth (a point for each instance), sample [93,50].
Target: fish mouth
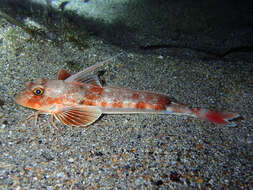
[19,99]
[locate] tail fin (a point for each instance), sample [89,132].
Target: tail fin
[222,118]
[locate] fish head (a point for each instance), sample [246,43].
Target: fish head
[32,96]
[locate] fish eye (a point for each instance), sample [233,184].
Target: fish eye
[38,91]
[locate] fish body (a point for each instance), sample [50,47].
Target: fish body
[58,94]
[80,99]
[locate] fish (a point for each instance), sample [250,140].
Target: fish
[80,99]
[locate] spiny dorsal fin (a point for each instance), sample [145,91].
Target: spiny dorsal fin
[63,74]
[88,73]
[88,79]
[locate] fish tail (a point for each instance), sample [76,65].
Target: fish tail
[222,118]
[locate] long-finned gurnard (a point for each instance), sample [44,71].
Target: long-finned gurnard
[80,99]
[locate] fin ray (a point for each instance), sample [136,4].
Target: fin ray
[78,115]
[87,74]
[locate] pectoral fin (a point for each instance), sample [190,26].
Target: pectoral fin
[78,115]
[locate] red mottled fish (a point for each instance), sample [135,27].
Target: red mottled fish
[80,99]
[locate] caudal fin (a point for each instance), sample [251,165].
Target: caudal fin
[222,118]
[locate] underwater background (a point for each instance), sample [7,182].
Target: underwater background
[198,52]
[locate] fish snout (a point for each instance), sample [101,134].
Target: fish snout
[20,98]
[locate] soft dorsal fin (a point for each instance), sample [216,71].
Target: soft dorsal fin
[87,76]
[78,115]
[63,74]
